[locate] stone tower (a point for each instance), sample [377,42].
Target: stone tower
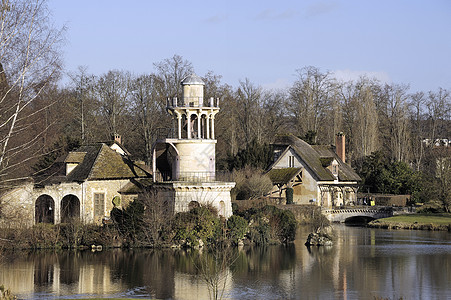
[184,156]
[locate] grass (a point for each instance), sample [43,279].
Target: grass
[415,221]
[438,219]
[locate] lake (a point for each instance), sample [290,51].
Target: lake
[364,263]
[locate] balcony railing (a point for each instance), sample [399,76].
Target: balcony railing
[166,133]
[192,102]
[193,176]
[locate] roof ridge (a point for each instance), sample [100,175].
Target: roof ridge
[91,168]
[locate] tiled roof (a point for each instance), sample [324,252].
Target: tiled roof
[309,156]
[95,162]
[313,157]
[283,176]
[101,162]
[75,157]
[136,186]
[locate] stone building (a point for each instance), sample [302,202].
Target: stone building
[87,183]
[184,157]
[318,174]
[80,186]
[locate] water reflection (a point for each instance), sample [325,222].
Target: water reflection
[364,263]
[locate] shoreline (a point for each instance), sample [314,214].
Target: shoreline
[439,222]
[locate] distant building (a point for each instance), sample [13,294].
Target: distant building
[317,174]
[437,142]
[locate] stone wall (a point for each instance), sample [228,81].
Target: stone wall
[109,188]
[182,194]
[18,205]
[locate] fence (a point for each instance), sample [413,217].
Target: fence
[193,176]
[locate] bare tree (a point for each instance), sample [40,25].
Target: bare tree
[113,91]
[309,99]
[367,120]
[249,102]
[274,112]
[416,104]
[171,72]
[394,126]
[29,57]
[149,110]
[83,91]
[439,108]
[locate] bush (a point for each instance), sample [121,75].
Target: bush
[200,223]
[270,224]
[289,193]
[238,228]
[251,183]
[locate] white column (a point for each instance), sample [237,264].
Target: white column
[188,127]
[198,126]
[179,126]
[212,127]
[207,120]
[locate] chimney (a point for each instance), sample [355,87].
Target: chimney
[340,146]
[117,138]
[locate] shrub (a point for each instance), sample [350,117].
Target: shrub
[270,224]
[289,193]
[238,228]
[199,223]
[251,183]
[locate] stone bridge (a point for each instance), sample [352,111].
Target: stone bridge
[365,213]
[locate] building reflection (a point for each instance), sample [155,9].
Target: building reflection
[380,266]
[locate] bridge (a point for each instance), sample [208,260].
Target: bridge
[359,214]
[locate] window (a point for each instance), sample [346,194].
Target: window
[335,169]
[291,161]
[99,204]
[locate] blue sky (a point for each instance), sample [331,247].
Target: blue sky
[266,41]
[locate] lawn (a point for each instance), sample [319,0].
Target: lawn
[438,219]
[415,221]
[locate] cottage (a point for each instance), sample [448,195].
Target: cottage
[80,186]
[316,174]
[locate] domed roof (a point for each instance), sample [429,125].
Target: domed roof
[192,79]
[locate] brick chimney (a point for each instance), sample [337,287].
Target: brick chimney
[340,146]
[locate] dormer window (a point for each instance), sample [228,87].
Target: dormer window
[72,160]
[335,170]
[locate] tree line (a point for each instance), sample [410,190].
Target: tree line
[40,118]
[373,115]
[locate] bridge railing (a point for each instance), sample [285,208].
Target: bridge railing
[360,209]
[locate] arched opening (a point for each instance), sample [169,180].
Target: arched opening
[358,220]
[184,133]
[195,126]
[204,127]
[44,209]
[193,204]
[70,209]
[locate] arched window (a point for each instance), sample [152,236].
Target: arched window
[70,209]
[44,209]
